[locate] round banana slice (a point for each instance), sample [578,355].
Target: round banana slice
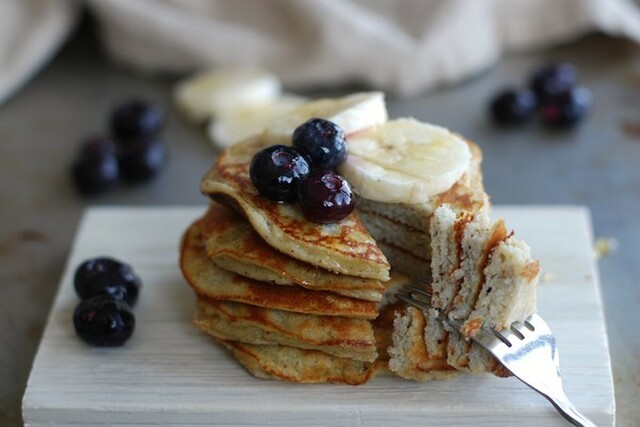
[353,113]
[236,125]
[404,161]
[211,93]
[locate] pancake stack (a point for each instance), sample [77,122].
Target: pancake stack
[305,302]
[292,300]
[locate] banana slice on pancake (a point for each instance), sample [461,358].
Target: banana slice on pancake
[211,93]
[354,113]
[404,161]
[234,125]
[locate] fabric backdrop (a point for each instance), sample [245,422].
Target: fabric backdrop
[400,46]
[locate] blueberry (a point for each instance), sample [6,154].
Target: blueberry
[553,79]
[275,172]
[95,170]
[142,159]
[107,276]
[513,107]
[325,197]
[104,322]
[566,109]
[136,119]
[324,142]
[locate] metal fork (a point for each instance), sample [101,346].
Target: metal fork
[528,349]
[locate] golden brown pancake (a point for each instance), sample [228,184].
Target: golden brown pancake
[345,247]
[301,366]
[211,281]
[383,330]
[402,230]
[410,358]
[482,273]
[338,336]
[233,245]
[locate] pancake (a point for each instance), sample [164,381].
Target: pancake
[409,356]
[479,238]
[301,366]
[402,230]
[211,281]
[345,247]
[339,336]
[296,301]
[416,267]
[509,291]
[233,245]
[383,330]
[482,277]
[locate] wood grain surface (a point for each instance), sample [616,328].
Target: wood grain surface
[170,373]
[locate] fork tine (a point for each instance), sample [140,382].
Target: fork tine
[413,302]
[529,325]
[539,325]
[501,337]
[508,336]
[424,306]
[415,289]
[517,329]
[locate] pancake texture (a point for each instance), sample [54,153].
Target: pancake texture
[409,356]
[298,365]
[233,245]
[339,336]
[211,281]
[345,247]
[402,230]
[482,277]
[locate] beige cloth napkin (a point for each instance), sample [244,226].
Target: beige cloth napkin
[30,33]
[403,46]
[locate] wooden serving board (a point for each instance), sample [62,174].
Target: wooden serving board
[170,373]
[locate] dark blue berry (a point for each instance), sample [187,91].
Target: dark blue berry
[136,119]
[324,142]
[103,321]
[513,107]
[325,197]
[275,172]
[553,79]
[107,276]
[95,170]
[142,159]
[566,109]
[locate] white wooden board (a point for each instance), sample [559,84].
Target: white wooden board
[171,374]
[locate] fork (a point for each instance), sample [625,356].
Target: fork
[527,349]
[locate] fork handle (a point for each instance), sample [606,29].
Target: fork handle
[569,412]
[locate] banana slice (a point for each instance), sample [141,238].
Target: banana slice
[211,93]
[235,125]
[404,161]
[353,113]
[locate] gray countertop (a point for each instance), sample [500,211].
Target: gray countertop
[596,165]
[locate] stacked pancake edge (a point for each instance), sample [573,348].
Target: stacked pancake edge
[303,302]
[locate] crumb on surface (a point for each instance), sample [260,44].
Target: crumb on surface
[604,246]
[548,277]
